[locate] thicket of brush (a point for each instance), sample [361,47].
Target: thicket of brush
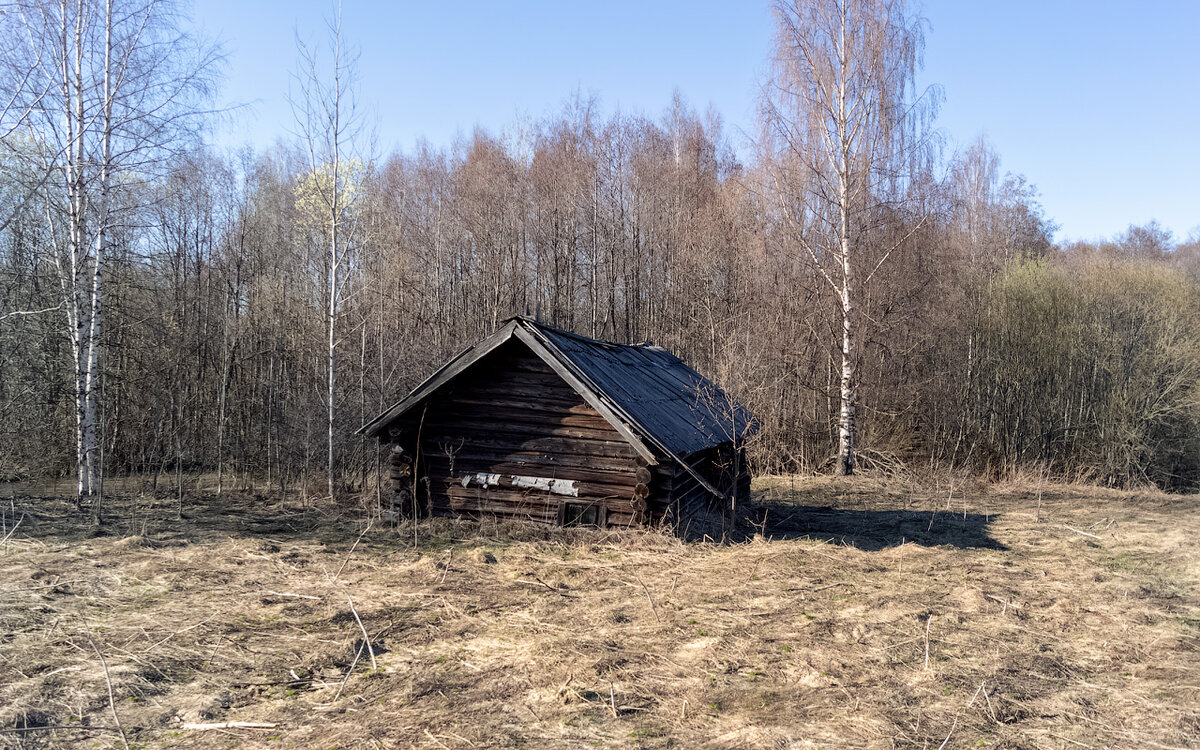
[167,306]
[984,346]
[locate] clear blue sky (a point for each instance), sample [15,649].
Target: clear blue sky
[1096,103]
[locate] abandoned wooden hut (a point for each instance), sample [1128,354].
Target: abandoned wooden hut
[538,423]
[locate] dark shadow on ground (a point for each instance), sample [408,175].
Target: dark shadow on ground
[869,529]
[862,517]
[206,517]
[154,519]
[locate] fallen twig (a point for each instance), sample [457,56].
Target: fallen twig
[974,697]
[1067,739]
[1077,531]
[653,609]
[539,582]
[818,588]
[177,632]
[366,638]
[294,596]
[1000,600]
[446,566]
[353,664]
[988,701]
[233,725]
[13,530]
[952,726]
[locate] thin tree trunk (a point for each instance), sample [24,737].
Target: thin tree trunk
[846,422]
[331,360]
[334,256]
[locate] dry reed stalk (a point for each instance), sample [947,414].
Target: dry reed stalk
[112,702]
[351,552]
[928,622]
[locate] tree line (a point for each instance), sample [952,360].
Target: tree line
[167,306]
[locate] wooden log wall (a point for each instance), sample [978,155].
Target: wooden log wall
[509,438]
[688,503]
[400,470]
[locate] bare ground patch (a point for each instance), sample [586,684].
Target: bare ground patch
[1076,625]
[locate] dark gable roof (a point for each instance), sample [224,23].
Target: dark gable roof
[669,402]
[648,394]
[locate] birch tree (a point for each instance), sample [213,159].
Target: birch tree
[847,135]
[119,86]
[329,125]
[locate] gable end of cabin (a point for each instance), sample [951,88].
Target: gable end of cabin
[508,437]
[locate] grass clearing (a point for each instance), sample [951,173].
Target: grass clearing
[866,614]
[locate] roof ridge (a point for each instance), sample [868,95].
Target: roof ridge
[526,320]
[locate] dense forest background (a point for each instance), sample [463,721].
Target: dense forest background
[983,346]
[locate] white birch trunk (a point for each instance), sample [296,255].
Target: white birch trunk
[846,417]
[331,361]
[95,312]
[334,258]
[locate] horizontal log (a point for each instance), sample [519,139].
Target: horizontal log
[619,513]
[525,361]
[445,442]
[569,450]
[480,506]
[522,497]
[515,420]
[577,488]
[440,466]
[502,511]
[507,500]
[521,422]
[514,390]
[517,412]
[540,458]
[622,519]
[577,408]
[518,375]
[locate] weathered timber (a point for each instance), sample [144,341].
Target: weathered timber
[518,455]
[580,489]
[502,441]
[519,412]
[534,419]
[529,507]
[441,466]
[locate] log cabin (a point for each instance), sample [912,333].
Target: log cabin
[545,425]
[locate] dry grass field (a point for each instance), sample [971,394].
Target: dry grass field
[865,614]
